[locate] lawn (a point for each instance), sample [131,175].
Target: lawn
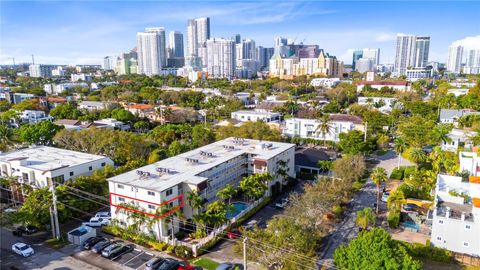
[432,265]
[57,243]
[205,263]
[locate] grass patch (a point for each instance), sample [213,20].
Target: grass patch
[205,263]
[57,243]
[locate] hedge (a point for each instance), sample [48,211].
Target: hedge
[409,171]
[393,219]
[397,174]
[427,251]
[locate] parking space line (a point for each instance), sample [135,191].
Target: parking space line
[141,252]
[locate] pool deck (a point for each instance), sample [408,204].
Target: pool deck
[409,236]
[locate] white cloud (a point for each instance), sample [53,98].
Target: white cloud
[347,56]
[384,37]
[469,43]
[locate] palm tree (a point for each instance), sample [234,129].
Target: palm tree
[395,201]
[440,133]
[6,136]
[227,193]
[417,155]
[196,202]
[365,217]
[324,127]
[379,176]
[400,147]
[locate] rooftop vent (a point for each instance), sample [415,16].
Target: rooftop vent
[163,170]
[192,160]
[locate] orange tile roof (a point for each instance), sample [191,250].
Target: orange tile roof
[476,202]
[474,179]
[140,106]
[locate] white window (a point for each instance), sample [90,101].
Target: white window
[440,221]
[151,193]
[121,199]
[468,227]
[119,186]
[465,244]
[439,238]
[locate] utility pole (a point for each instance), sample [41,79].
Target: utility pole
[365,134]
[56,227]
[245,253]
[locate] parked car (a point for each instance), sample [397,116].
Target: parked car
[410,207]
[23,249]
[104,215]
[385,196]
[97,222]
[234,233]
[25,230]
[98,247]
[189,267]
[153,265]
[92,241]
[250,224]
[282,203]
[111,249]
[124,250]
[169,264]
[229,266]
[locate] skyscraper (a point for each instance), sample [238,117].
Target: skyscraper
[198,32]
[108,62]
[175,41]
[473,62]
[372,54]
[356,55]
[151,49]
[221,58]
[237,38]
[411,52]
[454,60]
[263,56]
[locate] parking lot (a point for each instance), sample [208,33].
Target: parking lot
[132,260]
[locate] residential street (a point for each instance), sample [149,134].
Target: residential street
[346,229]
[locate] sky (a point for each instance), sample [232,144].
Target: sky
[83,32]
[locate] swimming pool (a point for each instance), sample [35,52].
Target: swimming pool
[238,207]
[410,225]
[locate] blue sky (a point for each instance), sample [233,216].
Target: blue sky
[83,32]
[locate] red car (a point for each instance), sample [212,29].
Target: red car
[234,233]
[189,267]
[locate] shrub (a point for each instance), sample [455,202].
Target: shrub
[337,210]
[357,185]
[170,249]
[393,219]
[160,246]
[397,174]
[428,251]
[183,252]
[409,171]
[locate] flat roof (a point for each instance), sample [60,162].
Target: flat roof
[187,166]
[257,113]
[45,158]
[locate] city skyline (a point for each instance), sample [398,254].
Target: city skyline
[84,32]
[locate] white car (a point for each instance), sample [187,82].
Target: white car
[23,249]
[385,196]
[104,215]
[282,203]
[97,222]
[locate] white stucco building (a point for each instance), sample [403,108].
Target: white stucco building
[308,128]
[38,165]
[206,170]
[268,117]
[384,104]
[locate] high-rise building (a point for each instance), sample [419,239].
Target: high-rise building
[454,60]
[109,62]
[151,50]
[44,71]
[364,64]
[372,54]
[356,55]
[281,47]
[198,32]
[411,52]
[175,42]
[237,38]
[263,56]
[473,62]
[221,58]
[304,51]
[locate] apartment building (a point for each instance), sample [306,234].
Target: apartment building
[308,128]
[456,214]
[383,104]
[37,165]
[206,170]
[265,116]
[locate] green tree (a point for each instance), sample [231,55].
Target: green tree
[439,134]
[373,250]
[202,136]
[6,137]
[365,218]
[417,155]
[39,133]
[122,115]
[175,148]
[325,165]
[379,176]
[255,185]
[395,201]
[66,111]
[324,127]
[400,147]
[349,168]
[353,143]
[227,193]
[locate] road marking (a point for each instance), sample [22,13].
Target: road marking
[141,252]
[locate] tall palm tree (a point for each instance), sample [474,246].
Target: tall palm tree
[227,193]
[6,137]
[400,147]
[196,202]
[365,217]
[379,176]
[417,155]
[395,201]
[324,127]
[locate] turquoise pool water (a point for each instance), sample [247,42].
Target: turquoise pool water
[237,208]
[411,225]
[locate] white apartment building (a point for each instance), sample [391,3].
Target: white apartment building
[38,165]
[454,60]
[456,215]
[411,51]
[206,170]
[198,32]
[265,116]
[152,51]
[325,82]
[472,65]
[92,105]
[470,162]
[80,77]
[415,74]
[37,71]
[221,58]
[308,128]
[383,104]
[33,117]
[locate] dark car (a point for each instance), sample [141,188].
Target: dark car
[169,264]
[98,247]
[124,250]
[25,230]
[229,266]
[153,265]
[92,241]
[411,207]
